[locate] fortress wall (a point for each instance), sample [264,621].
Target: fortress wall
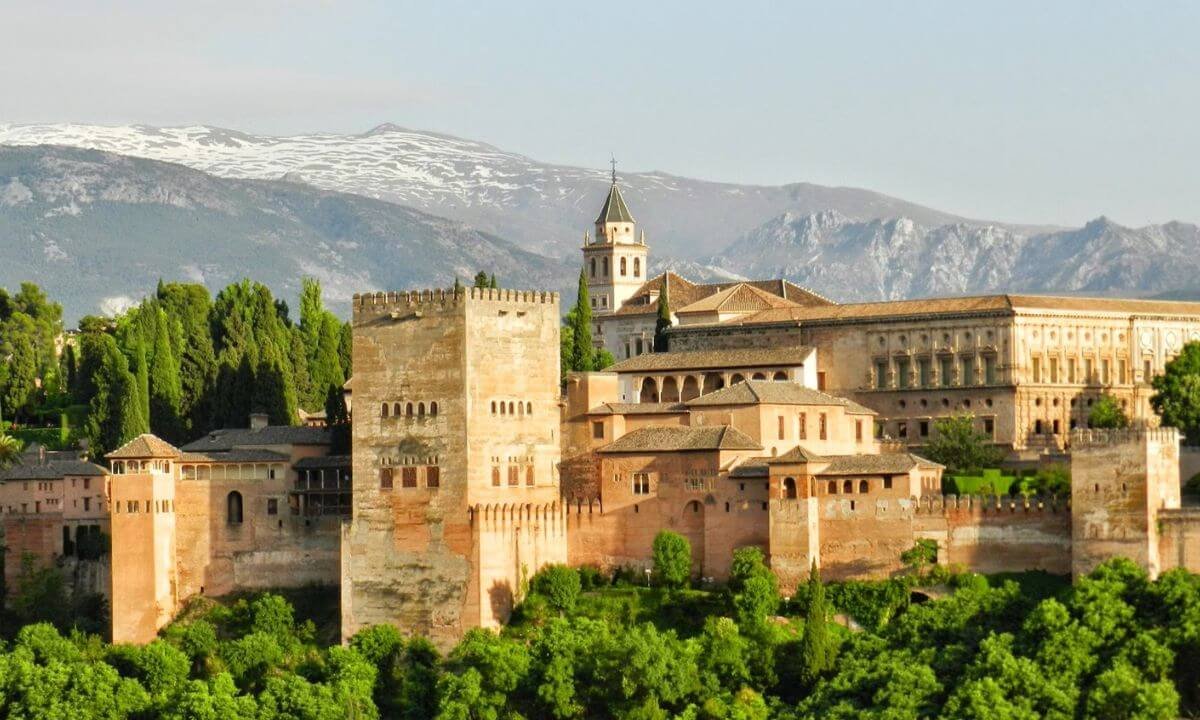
[862,536]
[794,541]
[513,542]
[997,534]
[1179,539]
[37,535]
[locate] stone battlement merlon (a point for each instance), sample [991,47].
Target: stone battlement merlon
[989,504]
[1097,438]
[503,515]
[381,300]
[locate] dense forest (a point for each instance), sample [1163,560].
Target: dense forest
[177,364]
[928,644]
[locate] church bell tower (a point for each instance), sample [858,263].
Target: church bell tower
[615,261]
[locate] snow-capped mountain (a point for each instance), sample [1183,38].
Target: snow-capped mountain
[97,230]
[853,260]
[541,207]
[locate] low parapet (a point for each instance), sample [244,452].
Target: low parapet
[1096,438]
[442,296]
[989,504]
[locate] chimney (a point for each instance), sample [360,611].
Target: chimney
[258,421]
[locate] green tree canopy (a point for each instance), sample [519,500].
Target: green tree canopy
[1177,392]
[1107,413]
[959,446]
[672,555]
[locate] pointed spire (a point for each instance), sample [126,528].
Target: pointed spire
[615,209]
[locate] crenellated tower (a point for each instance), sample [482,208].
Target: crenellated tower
[615,260]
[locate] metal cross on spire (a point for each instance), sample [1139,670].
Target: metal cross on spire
[613,162]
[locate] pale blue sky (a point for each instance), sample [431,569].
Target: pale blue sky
[1019,111]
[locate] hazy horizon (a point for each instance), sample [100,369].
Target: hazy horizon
[1012,112]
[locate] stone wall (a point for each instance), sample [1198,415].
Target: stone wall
[144,594]
[997,534]
[39,536]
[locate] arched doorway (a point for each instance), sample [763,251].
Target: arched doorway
[691,389]
[649,392]
[789,488]
[691,526]
[670,390]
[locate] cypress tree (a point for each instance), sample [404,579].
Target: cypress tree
[580,321]
[113,406]
[165,389]
[663,322]
[815,647]
[70,368]
[299,357]
[141,373]
[458,286]
[492,284]
[187,307]
[345,348]
[312,310]
[326,369]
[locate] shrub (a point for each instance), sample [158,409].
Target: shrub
[560,585]
[672,559]
[591,578]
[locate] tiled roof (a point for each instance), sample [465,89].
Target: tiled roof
[991,304]
[669,408]
[882,464]
[741,297]
[614,209]
[51,470]
[322,462]
[679,439]
[682,292]
[731,358]
[145,446]
[770,392]
[229,439]
[231,456]
[798,454]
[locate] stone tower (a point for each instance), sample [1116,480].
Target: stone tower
[615,261]
[455,455]
[1121,480]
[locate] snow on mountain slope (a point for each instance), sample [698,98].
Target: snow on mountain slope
[852,260]
[540,207]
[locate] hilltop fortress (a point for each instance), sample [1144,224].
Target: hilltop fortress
[777,418]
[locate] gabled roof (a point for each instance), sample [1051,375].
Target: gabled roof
[668,408]
[145,446]
[230,438]
[741,297]
[730,358]
[798,454]
[770,392]
[51,469]
[682,292]
[232,456]
[681,439]
[614,209]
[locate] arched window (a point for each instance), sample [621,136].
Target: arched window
[833,487]
[848,487]
[233,508]
[495,476]
[511,408]
[593,264]
[622,267]
[637,267]
[493,407]
[864,486]
[528,408]
[604,266]
[521,409]
[789,488]
[780,376]
[384,411]
[408,409]
[529,475]
[396,409]
[503,409]
[420,409]
[433,408]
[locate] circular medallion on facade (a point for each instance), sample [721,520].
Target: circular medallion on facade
[1170,339]
[1146,339]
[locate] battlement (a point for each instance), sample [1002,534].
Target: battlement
[1082,439]
[988,504]
[384,301]
[498,516]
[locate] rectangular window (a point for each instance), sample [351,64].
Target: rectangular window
[989,369]
[385,478]
[781,428]
[887,483]
[947,371]
[1053,369]
[598,430]
[529,480]
[820,379]
[989,427]
[923,372]
[923,428]
[433,476]
[514,476]
[1056,427]
[1104,367]
[902,429]
[1122,372]
[803,426]
[858,430]
[1089,371]
[902,373]
[1037,427]
[822,426]
[87,483]
[641,484]
[1036,369]
[272,506]
[87,504]
[881,375]
[1071,370]
[968,370]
